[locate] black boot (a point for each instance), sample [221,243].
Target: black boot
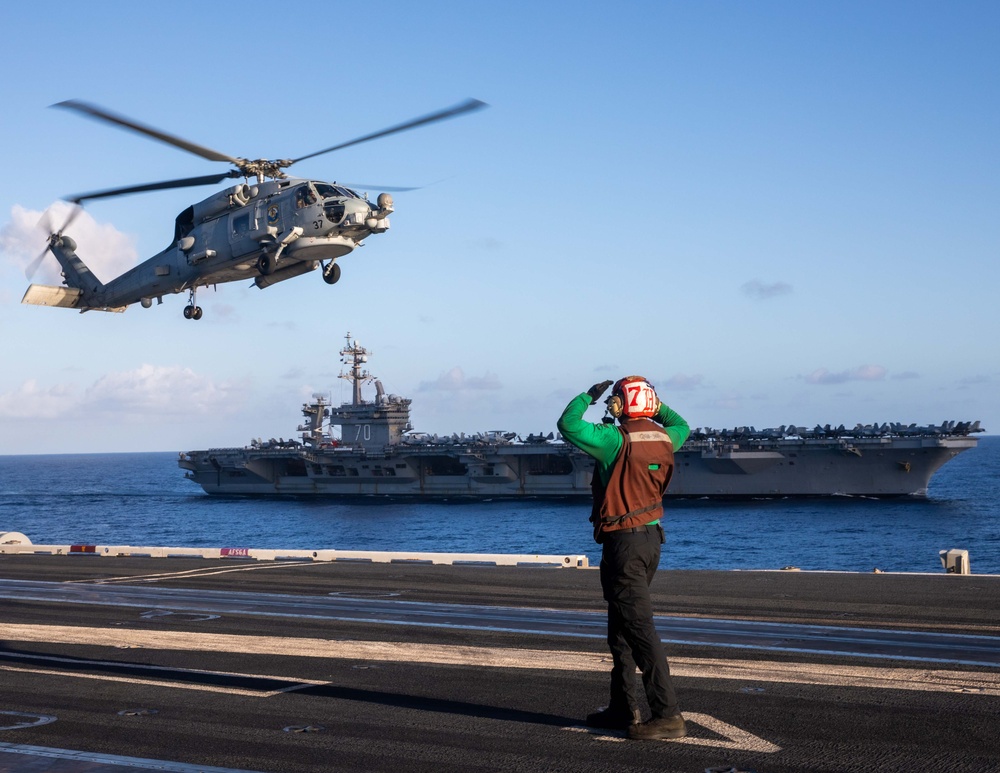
[659,728]
[613,719]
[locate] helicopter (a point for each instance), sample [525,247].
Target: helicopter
[268,231]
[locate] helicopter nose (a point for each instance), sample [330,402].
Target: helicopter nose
[357,211]
[378,219]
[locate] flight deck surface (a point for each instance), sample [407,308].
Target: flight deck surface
[111,664]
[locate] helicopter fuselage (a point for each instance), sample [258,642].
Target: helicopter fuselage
[280,228]
[266,233]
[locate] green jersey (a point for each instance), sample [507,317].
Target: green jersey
[604,441]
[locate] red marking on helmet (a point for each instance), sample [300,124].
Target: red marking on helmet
[635,390]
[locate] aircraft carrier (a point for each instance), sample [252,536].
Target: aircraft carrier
[369,448]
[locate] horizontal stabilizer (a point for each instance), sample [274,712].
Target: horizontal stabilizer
[45,295]
[65,297]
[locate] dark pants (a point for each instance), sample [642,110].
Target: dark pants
[628,563]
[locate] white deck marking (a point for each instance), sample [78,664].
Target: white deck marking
[748,671]
[301,683]
[599,735]
[112,759]
[733,737]
[27,720]
[204,571]
[191,617]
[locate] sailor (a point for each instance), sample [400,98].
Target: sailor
[634,464]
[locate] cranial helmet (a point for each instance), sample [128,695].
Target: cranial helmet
[633,397]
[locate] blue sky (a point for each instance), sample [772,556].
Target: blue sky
[778,212]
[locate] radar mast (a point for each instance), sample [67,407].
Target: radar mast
[356,356]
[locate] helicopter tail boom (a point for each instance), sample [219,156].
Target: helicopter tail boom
[76,274]
[81,289]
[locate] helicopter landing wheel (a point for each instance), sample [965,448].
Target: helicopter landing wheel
[331,273]
[188,312]
[265,264]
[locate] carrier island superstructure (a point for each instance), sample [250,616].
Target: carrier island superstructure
[369,448]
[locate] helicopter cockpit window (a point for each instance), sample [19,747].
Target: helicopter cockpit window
[334,211]
[304,197]
[327,191]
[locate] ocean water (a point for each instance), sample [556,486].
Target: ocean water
[144,499]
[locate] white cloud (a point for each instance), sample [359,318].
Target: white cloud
[860,373]
[974,381]
[757,289]
[106,251]
[163,391]
[29,401]
[730,401]
[681,382]
[455,380]
[151,391]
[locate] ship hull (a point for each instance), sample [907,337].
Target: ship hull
[862,467]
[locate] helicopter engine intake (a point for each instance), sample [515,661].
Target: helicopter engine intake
[221,202]
[243,193]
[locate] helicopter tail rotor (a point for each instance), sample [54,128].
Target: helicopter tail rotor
[33,267]
[45,222]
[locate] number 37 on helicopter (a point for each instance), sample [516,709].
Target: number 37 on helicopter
[267,230]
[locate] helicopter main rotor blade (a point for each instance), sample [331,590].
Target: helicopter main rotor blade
[105,115]
[465,107]
[210,179]
[386,188]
